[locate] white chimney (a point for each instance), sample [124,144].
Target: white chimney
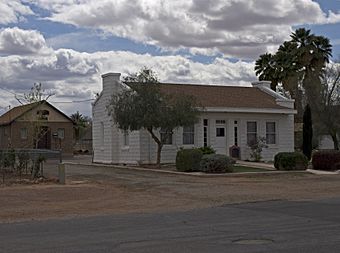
[111,82]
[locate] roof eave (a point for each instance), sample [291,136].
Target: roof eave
[250,110]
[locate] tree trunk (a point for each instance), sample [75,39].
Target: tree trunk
[159,146]
[335,141]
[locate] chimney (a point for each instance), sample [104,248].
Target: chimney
[111,82]
[262,84]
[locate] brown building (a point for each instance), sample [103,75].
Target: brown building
[37,125]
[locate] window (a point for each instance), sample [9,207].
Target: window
[220,122]
[220,131]
[235,133]
[166,136]
[270,133]
[23,133]
[43,114]
[205,132]
[61,133]
[251,132]
[126,138]
[188,134]
[101,133]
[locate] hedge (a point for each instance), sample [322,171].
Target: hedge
[290,161]
[216,163]
[207,150]
[326,160]
[188,160]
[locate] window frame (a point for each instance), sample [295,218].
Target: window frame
[190,133]
[126,138]
[167,139]
[61,130]
[271,133]
[25,136]
[251,132]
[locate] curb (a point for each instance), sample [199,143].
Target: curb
[321,172]
[192,174]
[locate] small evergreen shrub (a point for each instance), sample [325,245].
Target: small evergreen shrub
[290,161]
[207,150]
[188,160]
[326,160]
[216,163]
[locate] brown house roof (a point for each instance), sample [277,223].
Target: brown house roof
[16,112]
[224,96]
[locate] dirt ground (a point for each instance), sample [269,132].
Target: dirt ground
[102,190]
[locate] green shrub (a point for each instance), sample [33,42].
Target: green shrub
[207,150]
[326,159]
[290,161]
[256,149]
[216,163]
[188,160]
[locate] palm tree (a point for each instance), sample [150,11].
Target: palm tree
[298,64]
[266,70]
[80,123]
[313,53]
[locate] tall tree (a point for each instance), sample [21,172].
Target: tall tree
[298,65]
[307,132]
[328,110]
[266,69]
[144,106]
[80,123]
[313,55]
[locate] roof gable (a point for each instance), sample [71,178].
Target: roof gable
[18,111]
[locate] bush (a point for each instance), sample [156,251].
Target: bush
[290,161]
[256,149]
[326,160]
[207,150]
[188,160]
[215,163]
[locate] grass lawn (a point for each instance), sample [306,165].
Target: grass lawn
[237,169]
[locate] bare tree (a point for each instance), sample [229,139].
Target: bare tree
[37,122]
[328,108]
[36,94]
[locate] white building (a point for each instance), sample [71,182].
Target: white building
[232,117]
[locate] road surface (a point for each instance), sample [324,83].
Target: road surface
[270,226]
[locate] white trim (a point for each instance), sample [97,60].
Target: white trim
[250,110]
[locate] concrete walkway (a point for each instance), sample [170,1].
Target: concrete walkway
[259,165]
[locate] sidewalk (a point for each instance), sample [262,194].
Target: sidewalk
[259,165]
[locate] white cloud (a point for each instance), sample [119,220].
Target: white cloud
[12,11]
[21,42]
[236,28]
[74,75]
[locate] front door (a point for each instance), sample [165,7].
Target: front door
[44,138]
[221,139]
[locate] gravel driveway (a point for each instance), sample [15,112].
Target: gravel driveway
[93,190]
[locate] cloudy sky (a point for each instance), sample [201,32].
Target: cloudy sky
[67,44]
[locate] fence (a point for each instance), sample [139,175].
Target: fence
[18,162]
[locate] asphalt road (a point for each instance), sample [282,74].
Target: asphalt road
[274,226]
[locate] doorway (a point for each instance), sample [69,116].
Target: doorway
[44,138]
[221,139]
